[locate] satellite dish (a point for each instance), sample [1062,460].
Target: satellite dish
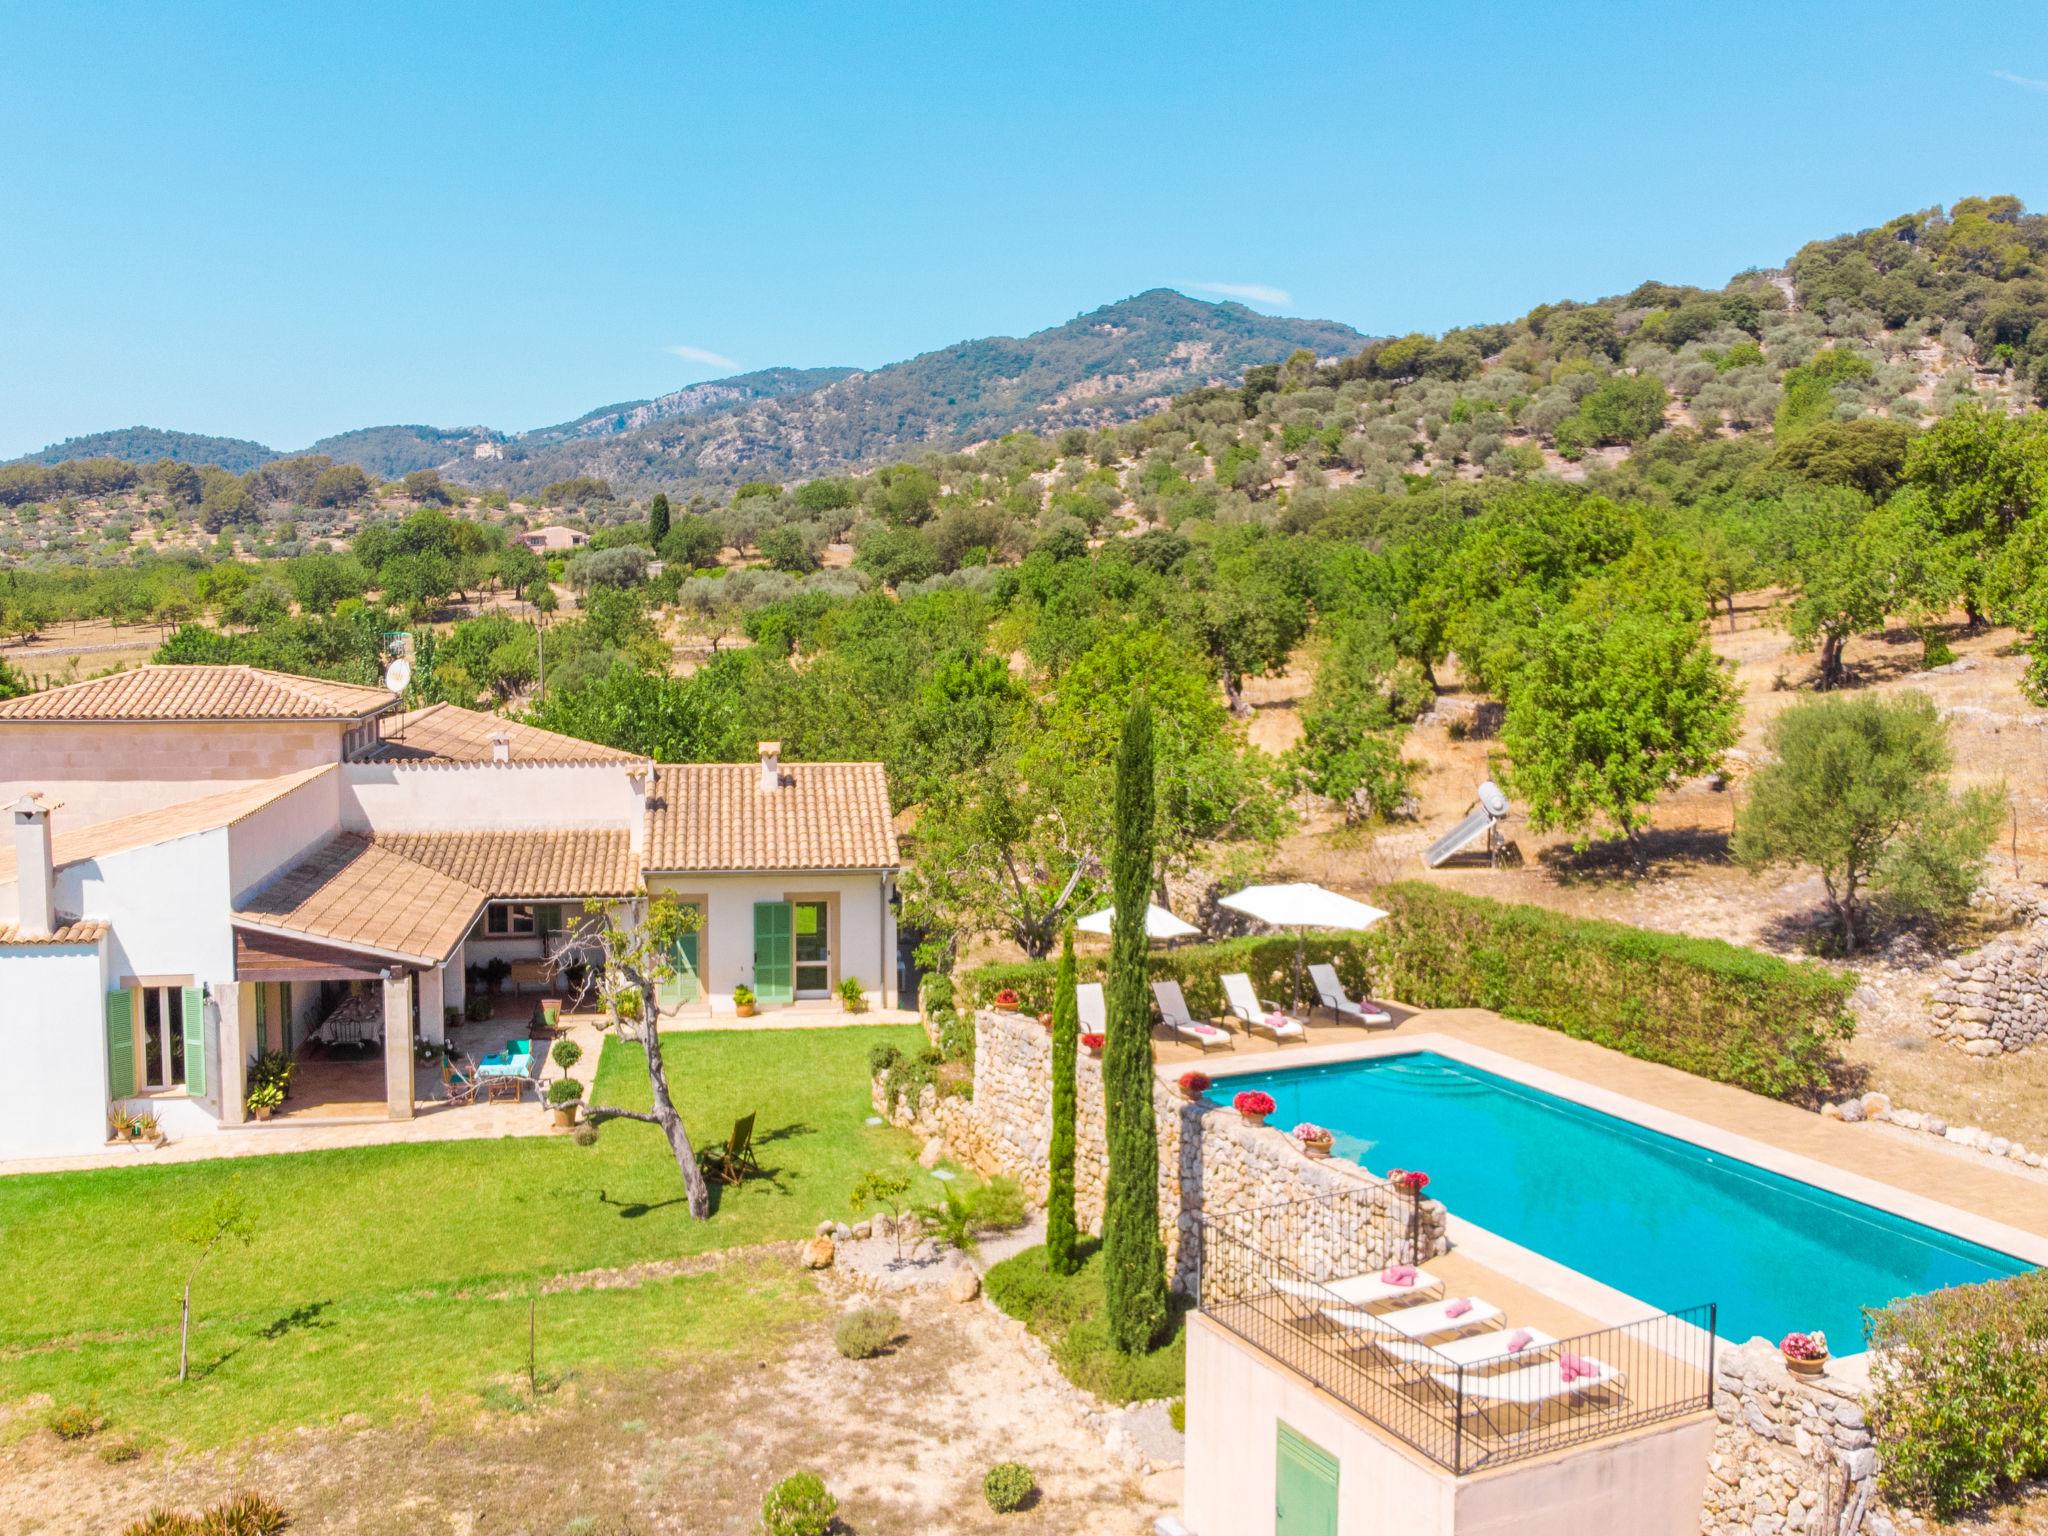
[397,675]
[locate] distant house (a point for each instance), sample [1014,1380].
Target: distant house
[553,539]
[211,861]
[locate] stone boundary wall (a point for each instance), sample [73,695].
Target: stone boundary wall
[1790,1455]
[1211,1163]
[1996,1000]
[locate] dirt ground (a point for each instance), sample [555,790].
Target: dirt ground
[902,1440]
[1693,886]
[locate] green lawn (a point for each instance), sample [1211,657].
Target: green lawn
[380,1276]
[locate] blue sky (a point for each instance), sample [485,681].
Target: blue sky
[282,221]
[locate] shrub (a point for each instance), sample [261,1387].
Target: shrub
[798,1506]
[114,1452]
[477,1010]
[76,1421]
[866,1332]
[881,1058]
[567,1053]
[1177,1415]
[565,1090]
[999,1205]
[853,996]
[935,992]
[1007,1485]
[1960,1406]
[1067,1311]
[585,1135]
[956,1038]
[246,1514]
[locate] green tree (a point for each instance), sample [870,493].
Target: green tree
[1610,711]
[657,519]
[1061,1229]
[228,1217]
[1134,1259]
[1858,789]
[692,542]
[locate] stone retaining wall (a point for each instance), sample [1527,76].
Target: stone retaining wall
[1789,1455]
[1211,1163]
[1996,1000]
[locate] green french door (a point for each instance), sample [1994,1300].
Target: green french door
[684,986]
[774,952]
[1305,1502]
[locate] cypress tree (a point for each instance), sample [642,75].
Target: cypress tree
[1134,1259]
[657,519]
[1060,1228]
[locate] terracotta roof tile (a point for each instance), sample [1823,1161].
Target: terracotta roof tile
[716,816]
[356,893]
[527,864]
[163,692]
[447,733]
[69,931]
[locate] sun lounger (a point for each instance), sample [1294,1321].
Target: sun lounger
[1414,1323]
[1330,994]
[1173,1010]
[1256,1015]
[1475,1351]
[1093,1011]
[1362,1290]
[1530,1390]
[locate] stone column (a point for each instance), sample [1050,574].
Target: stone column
[433,1027]
[398,1043]
[236,1003]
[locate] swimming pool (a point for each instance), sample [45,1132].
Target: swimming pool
[1664,1220]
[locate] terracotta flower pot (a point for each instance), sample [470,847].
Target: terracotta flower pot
[744,1010]
[1809,1368]
[261,1111]
[565,1114]
[1317,1148]
[1252,1119]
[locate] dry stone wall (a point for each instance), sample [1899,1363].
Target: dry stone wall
[1331,1216]
[1790,1455]
[1996,1000]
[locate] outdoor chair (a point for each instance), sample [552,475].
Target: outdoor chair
[1330,994]
[1182,1025]
[1530,1390]
[1090,1007]
[1362,1290]
[732,1162]
[1258,1016]
[1474,1352]
[458,1081]
[1413,1323]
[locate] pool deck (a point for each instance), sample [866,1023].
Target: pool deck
[1928,1184]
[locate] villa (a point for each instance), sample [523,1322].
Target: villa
[211,861]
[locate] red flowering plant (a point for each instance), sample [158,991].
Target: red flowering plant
[1007,998]
[1414,1180]
[1092,1042]
[1252,1103]
[1805,1346]
[1195,1084]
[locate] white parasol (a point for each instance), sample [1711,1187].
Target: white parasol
[1301,907]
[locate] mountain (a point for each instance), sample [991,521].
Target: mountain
[1105,366]
[145,445]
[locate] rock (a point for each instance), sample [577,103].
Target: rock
[824,1228]
[1877,1105]
[1852,1110]
[862,1231]
[963,1284]
[1934,1125]
[1983,1047]
[934,1149]
[818,1253]
[1831,1111]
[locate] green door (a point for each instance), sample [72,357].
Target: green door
[1305,1502]
[774,946]
[683,986]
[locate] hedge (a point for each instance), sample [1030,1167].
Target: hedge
[1706,1007]
[1960,1407]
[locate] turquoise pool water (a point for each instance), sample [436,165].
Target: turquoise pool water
[1664,1220]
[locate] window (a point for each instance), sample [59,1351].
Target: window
[163,1038]
[508,922]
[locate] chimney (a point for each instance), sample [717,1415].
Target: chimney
[34,872]
[771,766]
[642,780]
[501,746]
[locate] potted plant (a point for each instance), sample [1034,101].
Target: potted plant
[853,996]
[1092,1044]
[566,1053]
[148,1128]
[1193,1085]
[119,1122]
[1411,1180]
[564,1095]
[1314,1139]
[1254,1106]
[1007,999]
[1806,1354]
[743,1000]
[265,1097]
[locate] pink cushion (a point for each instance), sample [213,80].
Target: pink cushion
[1399,1274]
[1458,1308]
[1205,1029]
[1519,1340]
[1278,1019]
[1572,1367]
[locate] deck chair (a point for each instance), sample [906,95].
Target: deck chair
[1093,1011]
[1257,1015]
[1412,1323]
[1182,1025]
[1330,994]
[1530,1390]
[1362,1290]
[1475,1351]
[735,1160]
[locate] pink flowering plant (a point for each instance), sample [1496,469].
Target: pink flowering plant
[1309,1131]
[1805,1346]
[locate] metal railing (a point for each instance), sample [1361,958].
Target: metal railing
[1264,1275]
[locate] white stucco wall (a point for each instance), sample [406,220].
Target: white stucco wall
[102,769]
[53,1038]
[168,903]
[1641,1485]
[865,945]
[441,797]
[268,839]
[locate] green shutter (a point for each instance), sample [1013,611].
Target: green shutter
[195,1042]
[680,986]
[120,1044]
[774,975]
[1305,1501]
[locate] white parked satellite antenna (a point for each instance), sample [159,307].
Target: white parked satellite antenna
[397,675]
